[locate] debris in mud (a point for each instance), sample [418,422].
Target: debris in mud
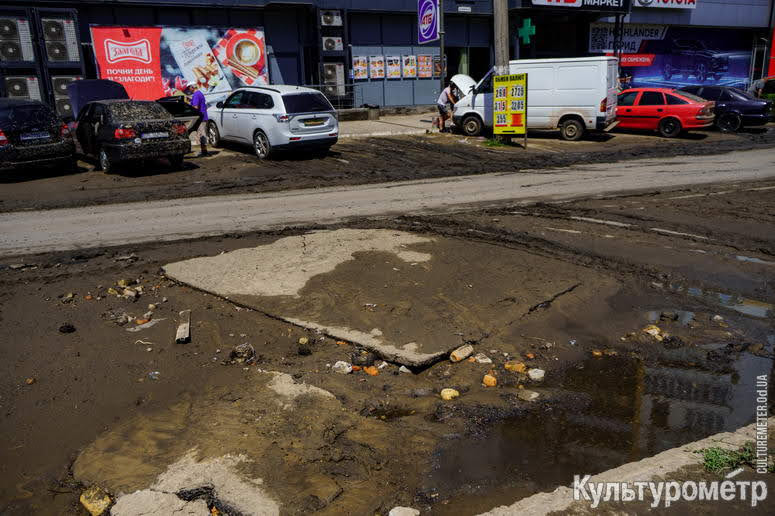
[143,324]
[461,353]
[130,293]
[304,350]
[515,366]
[527,395]
[449,394]
[371,371]
[404,369]
[536,375]
[342,367]
[68,298]
[481,358]
[95,500]
[403,511]
[154,375]
[673,342]
[183,334]
[67,328]
[127,258]
[655,331]
[597,353]
[112,291]
[363,358]
[303,341]
[30,380]
[489,380]
[124,283]
[243,354]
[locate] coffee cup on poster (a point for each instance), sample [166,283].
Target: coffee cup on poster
[247,52]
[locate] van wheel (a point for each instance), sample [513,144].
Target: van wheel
[472,125]
[729,122]
[571,130]
[213,135]
[261,145]
[670,127]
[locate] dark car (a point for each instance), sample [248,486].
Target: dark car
[116,131]
[688,57]
[734,108]
[183,111]
[31,133]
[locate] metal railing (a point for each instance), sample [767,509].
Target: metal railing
[341,96]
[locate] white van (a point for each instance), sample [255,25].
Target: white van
[573,94]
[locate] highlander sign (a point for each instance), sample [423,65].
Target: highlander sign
[667,4]
[427,21]
[613,6]
[153,62]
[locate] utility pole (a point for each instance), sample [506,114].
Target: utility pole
[501,32]
[443,74]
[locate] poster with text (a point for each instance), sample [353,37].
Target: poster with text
[360,68]
[409,66]
[393,67]
[510,104]
[425,66]
[154,62]
[673,57]
[377,67]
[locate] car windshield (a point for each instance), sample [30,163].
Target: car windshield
[690,96]
[134,111]
[24,112]
[306,103]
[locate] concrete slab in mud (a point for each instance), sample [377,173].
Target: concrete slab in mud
[411,298]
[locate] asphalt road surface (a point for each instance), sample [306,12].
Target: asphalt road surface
[117,224]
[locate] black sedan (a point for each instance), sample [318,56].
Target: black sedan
[734,108]
[32,134]
[116,131]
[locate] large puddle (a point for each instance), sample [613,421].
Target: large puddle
[627,409]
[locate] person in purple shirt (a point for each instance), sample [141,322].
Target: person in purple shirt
[198,101]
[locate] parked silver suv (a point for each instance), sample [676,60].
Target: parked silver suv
[274,118]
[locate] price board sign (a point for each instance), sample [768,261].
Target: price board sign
[510,104]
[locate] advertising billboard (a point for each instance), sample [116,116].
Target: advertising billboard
[611,6]
[154,62]
[510,104]
[427,21]
[672,57]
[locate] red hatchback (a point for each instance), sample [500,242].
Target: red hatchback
[664,110]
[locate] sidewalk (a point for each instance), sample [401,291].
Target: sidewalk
[387,126]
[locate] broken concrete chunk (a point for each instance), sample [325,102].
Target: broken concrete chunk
[342,367]
[148,501]
[536,374]
[403,511]
[404,369]
[527,395]
[461,353]
[95,500]
[449,394]
[183,335]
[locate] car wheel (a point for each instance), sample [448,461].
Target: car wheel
[176,162]
[571,130]
[670,127]
[213,135]
[261,145]
[667,72]
[472,125]
[729,122]
[106,164]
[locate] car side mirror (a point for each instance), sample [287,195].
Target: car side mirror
[219,105]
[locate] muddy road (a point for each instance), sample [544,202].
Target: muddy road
[235,170]
[87,401]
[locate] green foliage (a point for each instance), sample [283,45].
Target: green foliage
[717,460]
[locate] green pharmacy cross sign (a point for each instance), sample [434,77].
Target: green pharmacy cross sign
[527,30]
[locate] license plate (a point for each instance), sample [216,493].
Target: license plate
[149,136]
[25,137]
[314,123]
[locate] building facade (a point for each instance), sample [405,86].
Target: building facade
[362,51]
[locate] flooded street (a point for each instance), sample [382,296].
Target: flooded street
[649,316]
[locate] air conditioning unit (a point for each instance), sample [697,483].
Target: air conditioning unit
[334,90]
[53,30]
[19,87]
[331,18]
[59,84]
[10,40]
[64,109]
[333,73]
[56,51]
[332,44]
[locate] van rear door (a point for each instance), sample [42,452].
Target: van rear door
[612,74]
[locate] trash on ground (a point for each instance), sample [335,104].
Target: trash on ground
[144,325]
[126,258]
[183,334]
[66,328]
[655,331]
[363,358]
[449,394]
[154,375]
[30,380]
[536,374]
[597,353]
[515,366]
[371,370]
[243,354]
[461,353]
[95,500]
[342,367]
[527,395]
[403,511]
[404,369]
[489,380]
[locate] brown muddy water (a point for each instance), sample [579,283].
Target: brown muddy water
[627,408]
